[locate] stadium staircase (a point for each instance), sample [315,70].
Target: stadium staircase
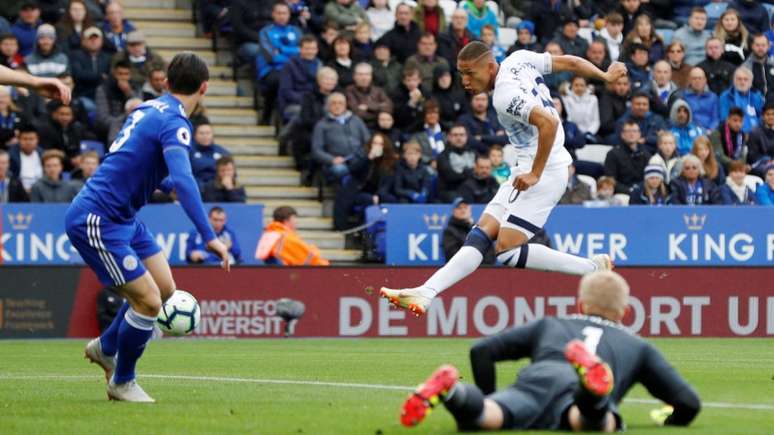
[268,177]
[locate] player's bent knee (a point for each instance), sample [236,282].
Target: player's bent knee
[493,417]
[149,305]
[478,239]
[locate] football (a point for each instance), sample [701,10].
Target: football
[180,314]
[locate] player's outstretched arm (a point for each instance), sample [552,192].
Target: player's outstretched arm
[181,177]
[663,382]
[580,66]
[47,87]
[511,344]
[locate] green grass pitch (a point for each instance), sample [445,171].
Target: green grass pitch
[47,388]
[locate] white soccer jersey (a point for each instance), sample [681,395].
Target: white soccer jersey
[519,87]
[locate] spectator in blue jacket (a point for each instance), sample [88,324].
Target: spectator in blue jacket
[224,187]
[25,27]
[479,15]
[735,190]
[650,123]
[298,78]
[682,126]
[637,66]
[742,95]
[703,102]
[484,130]
[413,182]
[195,249]
[279,43]
[765,192]
[90,66]
[205,153]
[115,27]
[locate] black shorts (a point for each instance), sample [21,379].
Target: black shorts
[540,397]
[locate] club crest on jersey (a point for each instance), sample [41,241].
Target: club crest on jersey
[515,106]
[184,136]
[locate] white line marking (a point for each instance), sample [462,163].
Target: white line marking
[720,405]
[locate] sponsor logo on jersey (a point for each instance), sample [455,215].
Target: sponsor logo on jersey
[516,106]
[184,136]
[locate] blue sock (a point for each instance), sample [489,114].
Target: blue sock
[109,338]
[133,335]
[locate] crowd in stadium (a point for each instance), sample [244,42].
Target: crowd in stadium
[368,97]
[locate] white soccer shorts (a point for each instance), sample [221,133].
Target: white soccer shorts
[529,211]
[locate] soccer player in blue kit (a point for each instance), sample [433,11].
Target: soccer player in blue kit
[150,152]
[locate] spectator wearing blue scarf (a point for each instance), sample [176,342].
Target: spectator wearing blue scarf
[742,95]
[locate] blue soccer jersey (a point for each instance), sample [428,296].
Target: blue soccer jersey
[151,152]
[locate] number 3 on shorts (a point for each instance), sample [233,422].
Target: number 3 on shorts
[126,132]
[592,336]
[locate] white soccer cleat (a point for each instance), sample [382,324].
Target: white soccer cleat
[409,299]
[93,353]
[128,392]
[603,262]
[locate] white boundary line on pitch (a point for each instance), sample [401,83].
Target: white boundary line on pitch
[720,405]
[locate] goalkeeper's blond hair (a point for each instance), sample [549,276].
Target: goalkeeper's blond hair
[606,291]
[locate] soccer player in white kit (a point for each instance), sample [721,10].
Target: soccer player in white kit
[538,179]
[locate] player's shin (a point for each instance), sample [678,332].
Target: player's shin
[109,338]
[462,264]
[539,257]
[134,333]
[466,403]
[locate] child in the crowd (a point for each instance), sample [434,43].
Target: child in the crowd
[413,181]
[582,108]
[9,52]
[525,39]
[652,190]
[735,191]
[362,46]
[612,34]
[637,65]
[606,192]
[500,170]
[667,157]
[489,37]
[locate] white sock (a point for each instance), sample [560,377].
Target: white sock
[540,257]
[462,264]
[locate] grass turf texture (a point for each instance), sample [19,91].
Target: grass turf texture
[723,370]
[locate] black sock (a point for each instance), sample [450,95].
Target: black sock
[593,409]
[466,403]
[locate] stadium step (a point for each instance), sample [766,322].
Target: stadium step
[341,255]
[207,55]
[304,207]
[232,116]
[240,132]
[222,88]
[224,101]
[269,177]
[263,193]
[258,161]
[156,14]
[150,4]
[323,239]
[162,42]
[153,29]
[250,148]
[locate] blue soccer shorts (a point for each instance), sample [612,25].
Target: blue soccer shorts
[113,250]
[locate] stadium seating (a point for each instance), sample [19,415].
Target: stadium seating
[269,178]
[593,153]
[752,181]
[589,181]
[506,37]
[93,145]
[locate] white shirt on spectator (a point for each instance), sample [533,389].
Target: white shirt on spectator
[583,110]
[31,169]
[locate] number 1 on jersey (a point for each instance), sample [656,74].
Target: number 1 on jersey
[592,335]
